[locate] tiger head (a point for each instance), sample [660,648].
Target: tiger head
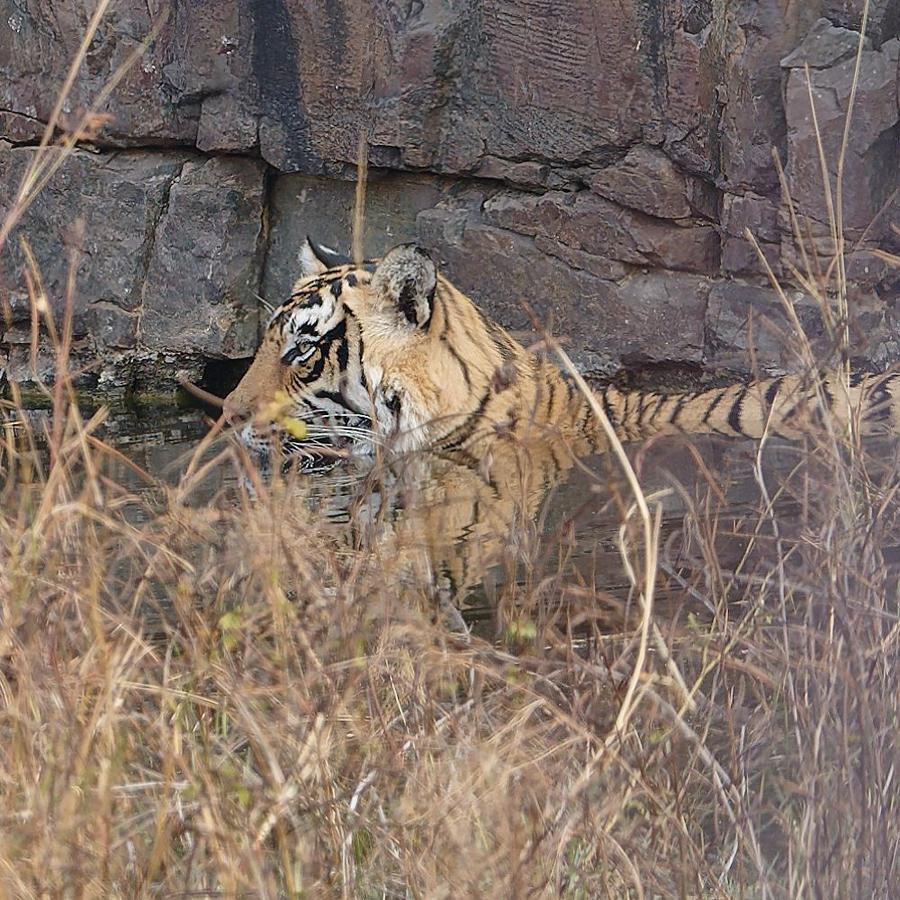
[386,353]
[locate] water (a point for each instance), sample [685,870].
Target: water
[563,537]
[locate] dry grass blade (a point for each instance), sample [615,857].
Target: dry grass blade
[47,163]
[359,200]
[650,530]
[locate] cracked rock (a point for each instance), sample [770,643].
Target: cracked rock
[96,210]
[602,228]
[871,174]
[648,181]
[654,316]
[826,45]
[200,293]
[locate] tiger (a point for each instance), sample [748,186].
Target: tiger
[386,360]
[389,356]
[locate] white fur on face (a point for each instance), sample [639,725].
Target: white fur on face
[313,319]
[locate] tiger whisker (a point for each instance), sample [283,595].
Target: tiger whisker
[339,431]
[269,307]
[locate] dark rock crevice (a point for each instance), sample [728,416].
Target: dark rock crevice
[136,295]
[262,250]
[284,126]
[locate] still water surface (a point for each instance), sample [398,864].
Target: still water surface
[572,537]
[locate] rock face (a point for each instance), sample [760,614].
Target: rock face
[204,270]
[595,164]
[871,150]
[165,250]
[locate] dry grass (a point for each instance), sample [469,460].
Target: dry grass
[233,697]
[230,697]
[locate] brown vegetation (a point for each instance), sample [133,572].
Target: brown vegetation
[228,697]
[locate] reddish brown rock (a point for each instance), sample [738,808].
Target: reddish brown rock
[443,86]
[760,216]
[38,42]
[757,34]
[591,224]
[648,181]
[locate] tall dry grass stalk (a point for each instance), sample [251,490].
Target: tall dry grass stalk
[52,155]
[359,200]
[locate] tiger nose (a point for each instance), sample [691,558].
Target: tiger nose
[235,412]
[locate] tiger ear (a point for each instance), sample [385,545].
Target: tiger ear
[405,280]
[315,259]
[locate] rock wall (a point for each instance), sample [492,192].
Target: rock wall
[594,163]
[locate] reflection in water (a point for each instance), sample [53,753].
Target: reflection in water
[485,532]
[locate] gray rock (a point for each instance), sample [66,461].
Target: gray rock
[98,210]
[825,46]
[323,209]
[871,174]
[603,322]
[760,216]
[166,254]
[597,226]
[600,158]
[884,16]
[749,330]
[111,327]
[200,296]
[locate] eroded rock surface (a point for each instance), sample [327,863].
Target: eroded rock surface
[865,157]
[597,164]
[165,250]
